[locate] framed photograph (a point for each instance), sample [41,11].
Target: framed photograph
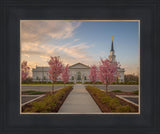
[71,56]
[80,67]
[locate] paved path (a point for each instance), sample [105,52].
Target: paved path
[29,98]
[49,87]
[26,98]
[79,101]
[41,87]
[125,88]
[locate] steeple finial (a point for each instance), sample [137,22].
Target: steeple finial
[112,49]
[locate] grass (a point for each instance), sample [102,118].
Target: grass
[30,92]
[44,84]
[49,103]
[117,91]
[136,92]
[107,103]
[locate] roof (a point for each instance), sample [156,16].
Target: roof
[74,66]
[40,69]
[80,66]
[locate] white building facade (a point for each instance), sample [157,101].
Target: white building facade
[78,72]
[112,57]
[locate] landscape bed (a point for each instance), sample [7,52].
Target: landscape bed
[51,102]
[108,102]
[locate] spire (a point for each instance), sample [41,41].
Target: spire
[112,49]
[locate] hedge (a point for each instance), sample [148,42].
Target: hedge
[114,83]
[45,82]
[50,103]
[104,100]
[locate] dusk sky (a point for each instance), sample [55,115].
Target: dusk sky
[80,41]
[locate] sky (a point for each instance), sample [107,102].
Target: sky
[80,41]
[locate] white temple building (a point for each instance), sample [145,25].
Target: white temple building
[78,72]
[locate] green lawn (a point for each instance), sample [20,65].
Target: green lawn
[30,92]
[117,91]
[136,92]
[46,84]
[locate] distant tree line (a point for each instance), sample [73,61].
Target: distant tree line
[131,78]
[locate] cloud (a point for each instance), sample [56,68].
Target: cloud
[76,40]
[131,68]
[68,52]
[37,37]
[36,31]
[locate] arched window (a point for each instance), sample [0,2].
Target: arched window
[72,77]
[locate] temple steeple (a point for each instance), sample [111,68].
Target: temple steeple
[112,48]
[112,57]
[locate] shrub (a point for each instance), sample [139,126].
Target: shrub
[70,83]
[117,91]
[123,109]
[113,104]
[106,99]
[59,82]
[49,102]
[90,82]
[45,82]
[79,82]
[136,92]
[113,83]
[98,82]
[125,83]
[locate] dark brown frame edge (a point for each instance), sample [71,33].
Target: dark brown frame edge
[11,11]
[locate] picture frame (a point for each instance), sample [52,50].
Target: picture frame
[11,12]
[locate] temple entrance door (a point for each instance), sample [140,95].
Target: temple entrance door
[79,77]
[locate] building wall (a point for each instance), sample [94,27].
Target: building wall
[121,74]
[121,77]
[40,75]
[84,73]
[43,75]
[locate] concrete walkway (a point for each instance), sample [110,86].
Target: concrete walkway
[79,101]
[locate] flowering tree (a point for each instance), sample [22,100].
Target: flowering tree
[93,74]
[65,74]
[55,69]
[107,72]
[24,70]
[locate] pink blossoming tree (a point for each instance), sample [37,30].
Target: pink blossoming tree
[93,74]
[107,72]
[65,74]
[24,70]
[55,69]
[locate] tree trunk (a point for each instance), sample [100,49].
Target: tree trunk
[106,88]
[53,87]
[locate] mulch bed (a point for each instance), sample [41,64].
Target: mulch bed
[113,95]
[62,101]
[59,104]
[104,107]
